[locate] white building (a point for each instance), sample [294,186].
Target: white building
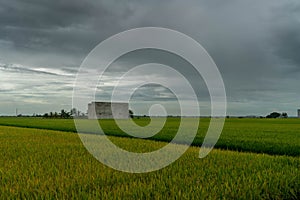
[108,110]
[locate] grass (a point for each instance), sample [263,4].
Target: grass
[43,164]
[270,136]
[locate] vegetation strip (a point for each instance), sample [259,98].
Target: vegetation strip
[270,136]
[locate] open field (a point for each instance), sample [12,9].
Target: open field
[55,165]
[270,136]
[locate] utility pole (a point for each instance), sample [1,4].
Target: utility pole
[16,112]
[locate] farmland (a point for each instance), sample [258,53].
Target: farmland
[47,164]
[270,136]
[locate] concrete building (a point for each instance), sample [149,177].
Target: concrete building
[298,113]
[108,110]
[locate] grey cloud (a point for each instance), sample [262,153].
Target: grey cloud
[255,44]
[70,26]
[21,69]
[152,92]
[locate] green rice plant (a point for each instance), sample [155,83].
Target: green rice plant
[43,164]
[271,136]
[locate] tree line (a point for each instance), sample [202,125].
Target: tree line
[277,115]
[63,114]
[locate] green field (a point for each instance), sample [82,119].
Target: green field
[44,164]
[270,136]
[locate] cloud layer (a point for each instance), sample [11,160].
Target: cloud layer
[255,44]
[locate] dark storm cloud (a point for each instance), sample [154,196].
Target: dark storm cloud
[286,35]
[254,43]
[66,26]
[238,34]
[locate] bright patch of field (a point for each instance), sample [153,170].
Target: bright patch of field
[271,136]
[55,165]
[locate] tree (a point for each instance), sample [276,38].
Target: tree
[64,114]
[74,112]
[284,115]
[273,115]
[131,114]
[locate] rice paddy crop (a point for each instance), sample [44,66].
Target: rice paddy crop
[44,164]
[271,136]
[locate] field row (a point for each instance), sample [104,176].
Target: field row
[270,136]
[55,165]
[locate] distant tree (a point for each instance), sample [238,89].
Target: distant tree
[273,115]
[64,114]
[74,112]
[131,114]
[284,115]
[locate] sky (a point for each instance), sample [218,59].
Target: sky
[254,43]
